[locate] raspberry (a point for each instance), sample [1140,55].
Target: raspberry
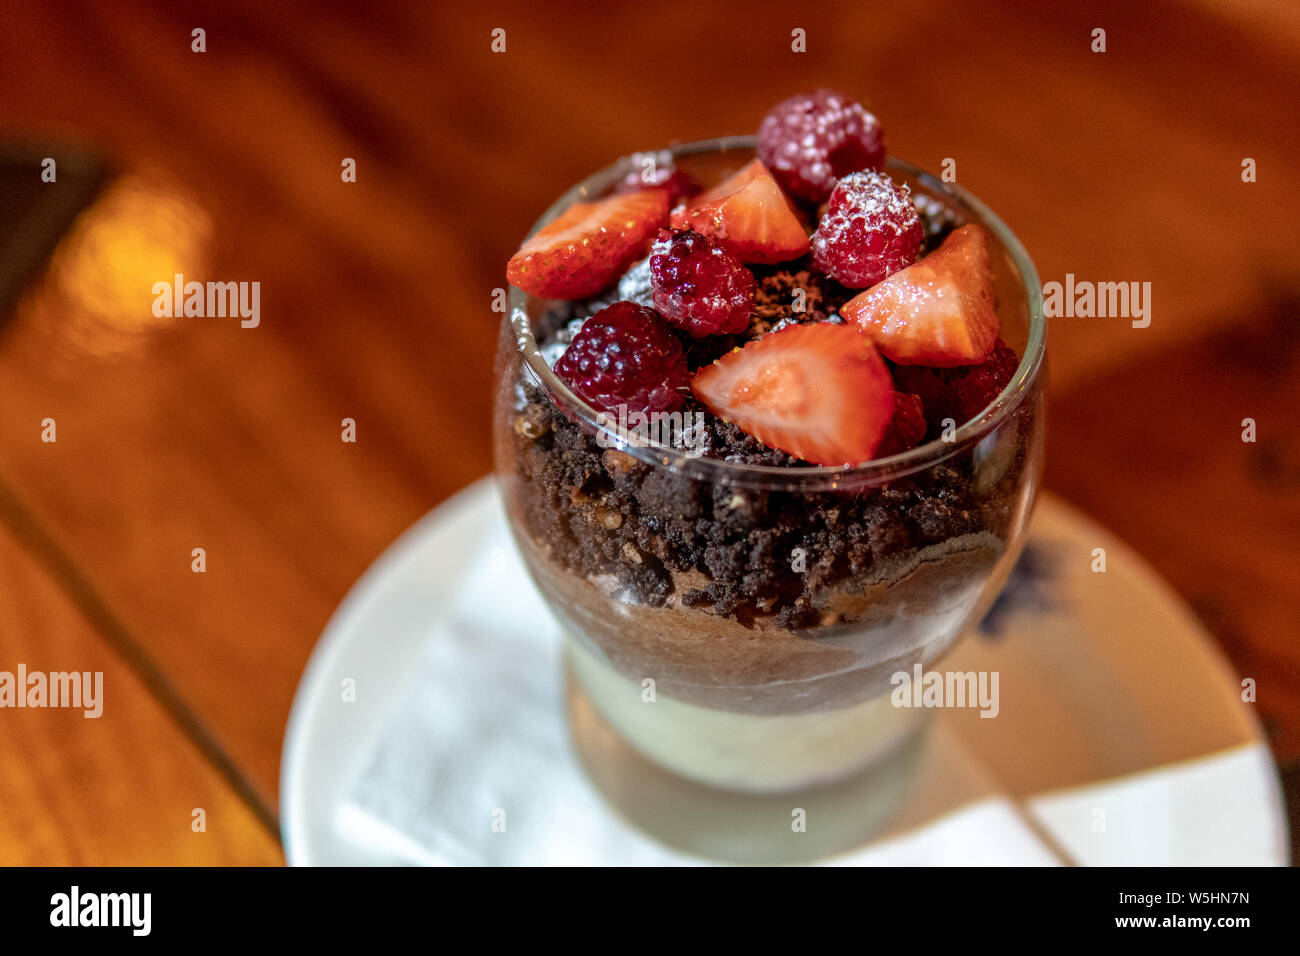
[962,392]
[626,355]
[812,139]
[937,219]
[698,286]
[906,428]
[870,230]
[676,183]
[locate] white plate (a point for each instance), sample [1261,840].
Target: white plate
[1112,675]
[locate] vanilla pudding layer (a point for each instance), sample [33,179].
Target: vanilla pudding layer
[746,752]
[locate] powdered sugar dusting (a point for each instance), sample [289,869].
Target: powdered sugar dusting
[635,284]
[878,200]
[870,230]
[553,349]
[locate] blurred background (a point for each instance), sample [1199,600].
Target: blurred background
[177,434]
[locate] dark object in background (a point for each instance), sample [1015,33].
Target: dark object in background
[35,214]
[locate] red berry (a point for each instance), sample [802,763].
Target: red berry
[820,392]
[812,139]
[959,393]
[588,246]
[677,184]
[626,355]
[869,231]
[698,286]
[938,312]
[749,216]
[906,428]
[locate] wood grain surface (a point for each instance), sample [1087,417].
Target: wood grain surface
[177,434]
[121,788]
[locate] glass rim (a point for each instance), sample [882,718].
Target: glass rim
[801,477]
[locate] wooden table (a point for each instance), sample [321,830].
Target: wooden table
[179,434]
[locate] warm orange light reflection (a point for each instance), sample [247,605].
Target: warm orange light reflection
[97,297]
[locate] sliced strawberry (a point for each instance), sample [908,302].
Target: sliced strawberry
[938,312]
[749,216]
[820,392]
[589,245]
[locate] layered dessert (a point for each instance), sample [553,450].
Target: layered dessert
[768,429]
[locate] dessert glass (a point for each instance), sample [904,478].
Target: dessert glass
[713,721]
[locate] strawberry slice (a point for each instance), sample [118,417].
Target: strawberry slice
[749,216]
[819,391]
[939,311]
[589,245]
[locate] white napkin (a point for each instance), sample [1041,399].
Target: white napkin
[479,738]
[1146,818]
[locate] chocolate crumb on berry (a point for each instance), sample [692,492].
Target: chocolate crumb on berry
[811,140]
[626,355]
[869,231]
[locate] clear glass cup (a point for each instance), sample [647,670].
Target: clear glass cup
[708,717]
